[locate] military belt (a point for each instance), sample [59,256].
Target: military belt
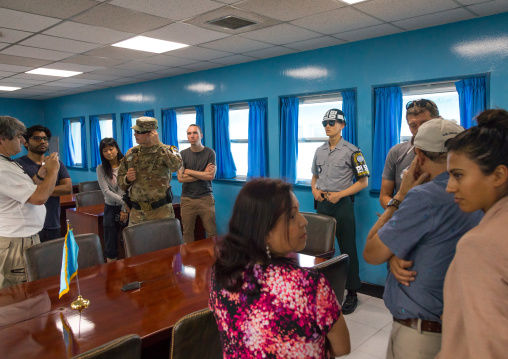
[147,206]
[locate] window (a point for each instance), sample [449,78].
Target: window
[76,142]
[239,136]
[106,123]
[311,134]
[135,116]
[184,118]
[443,94]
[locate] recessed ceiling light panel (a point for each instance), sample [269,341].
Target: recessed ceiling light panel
[9,88]
[148,44]
[352,1]
[53,72]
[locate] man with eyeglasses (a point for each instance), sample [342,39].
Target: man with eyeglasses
[145,174]
[401,155]
[37,143]
[22,212]
[335,164]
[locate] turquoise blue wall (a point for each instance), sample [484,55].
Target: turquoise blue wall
[30,112]
[456,50]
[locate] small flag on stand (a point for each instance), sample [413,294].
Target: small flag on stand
[69,262]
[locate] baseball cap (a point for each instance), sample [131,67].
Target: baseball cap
[433,134]
[335,114]
[145,124]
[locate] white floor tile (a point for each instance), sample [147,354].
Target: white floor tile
[362,298]
[359,333]
[370,315]
[376,345]
[388,328]
[376,302]
[357,354]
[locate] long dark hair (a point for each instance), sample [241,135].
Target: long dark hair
[259,205]
[107,142]
[485,144]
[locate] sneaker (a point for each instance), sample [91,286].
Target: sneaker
[350,304]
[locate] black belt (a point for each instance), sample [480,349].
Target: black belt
[147,206]
[427,325]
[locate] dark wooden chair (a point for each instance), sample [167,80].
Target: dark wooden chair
[88,186]
[335,270]
[320,235]
[127,347]
[89,198]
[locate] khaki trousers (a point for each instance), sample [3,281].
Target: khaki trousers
[191,208]
[12,264]
[140,216]
[408,343]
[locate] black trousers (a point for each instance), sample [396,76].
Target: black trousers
[344,214]
[49,234]
[111,228]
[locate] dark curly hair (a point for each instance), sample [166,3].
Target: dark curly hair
[37,128]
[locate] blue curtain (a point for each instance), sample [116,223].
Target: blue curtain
[95,139]
[83,142]
[349,109]
[257,140]
[113,117]
[386,128]
[200,121]
[126,132]
[70,161]
[472,100]
[169,128]
[288,138]
[225,164]
[149,113]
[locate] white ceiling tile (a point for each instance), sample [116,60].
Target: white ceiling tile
[235,59]
[228,1]
[61,9]
[83,32]
[100,77]
[185,34]
[393,10]
[43,54]
[59,44]
[36,77]
[23,21]
[149,76]
[174,9]
[119,53]
[74,80]
[271,52]
[368,32]
[312,44]
[140,66]
[199,53]
[21,61]
[118,72]
[472,2]
[6,74]
[24,81]
[31,91]
[174,71]
[9,83]
[165,60]
[3,45]
[121,81]
[281,34]
[45,88]
[200,66]
[287,10]
[236,44]
[72,67]
[434,19]
[63,84]
[121,19]
[490,8]
[93,61]
[14,68]
[339,20]
[12,36]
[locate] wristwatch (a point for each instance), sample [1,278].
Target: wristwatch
[393,202]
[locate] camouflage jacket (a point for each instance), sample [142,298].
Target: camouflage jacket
[154,166]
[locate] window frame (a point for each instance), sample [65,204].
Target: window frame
[235,106]
[73,120]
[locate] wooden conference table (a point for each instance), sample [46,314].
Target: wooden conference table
[176,283]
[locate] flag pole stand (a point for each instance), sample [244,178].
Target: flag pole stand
[80,303]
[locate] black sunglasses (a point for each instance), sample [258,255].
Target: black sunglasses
[419,103]
[40,138]
[330,123]
[141,132]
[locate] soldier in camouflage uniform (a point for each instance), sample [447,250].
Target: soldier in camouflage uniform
[145,172]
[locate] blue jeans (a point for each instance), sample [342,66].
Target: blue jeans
[111,228]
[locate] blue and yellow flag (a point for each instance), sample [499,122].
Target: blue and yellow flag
[69,262]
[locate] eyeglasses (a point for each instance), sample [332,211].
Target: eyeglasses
[330,123]
[419,103]
[40,138]
[141,132]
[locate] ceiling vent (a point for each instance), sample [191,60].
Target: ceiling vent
[231,22]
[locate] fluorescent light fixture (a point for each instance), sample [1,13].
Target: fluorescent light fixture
[352,1]
[143,43]
[201,87]
[483,47]
[308,73]
[9,88]
[53,72]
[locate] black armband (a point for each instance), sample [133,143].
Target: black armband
[360,168]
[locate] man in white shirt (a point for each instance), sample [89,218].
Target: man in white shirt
[22,210]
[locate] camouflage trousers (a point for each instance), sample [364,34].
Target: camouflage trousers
[140,216]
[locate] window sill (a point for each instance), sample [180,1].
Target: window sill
[78,168]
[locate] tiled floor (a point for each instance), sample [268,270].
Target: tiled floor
[369,328]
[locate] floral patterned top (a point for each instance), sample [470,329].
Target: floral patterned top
[288,317]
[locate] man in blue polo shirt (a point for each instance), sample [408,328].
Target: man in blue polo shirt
[421,224]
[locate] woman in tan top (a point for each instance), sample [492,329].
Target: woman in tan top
[475,319]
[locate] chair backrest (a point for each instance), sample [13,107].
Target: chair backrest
[127,347]
[45,259]
[335,270]
[196,336]
[152,236]
[88,186]
[320,235]
[89,198]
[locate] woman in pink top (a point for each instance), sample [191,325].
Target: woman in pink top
[475,318]
[265,305]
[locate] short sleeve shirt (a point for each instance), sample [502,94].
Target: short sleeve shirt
[398,159]
[288,318]
[335,168]
[197,161]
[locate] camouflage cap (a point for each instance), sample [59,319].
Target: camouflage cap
[145,124]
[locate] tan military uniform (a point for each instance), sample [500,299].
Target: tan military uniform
[154,166]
